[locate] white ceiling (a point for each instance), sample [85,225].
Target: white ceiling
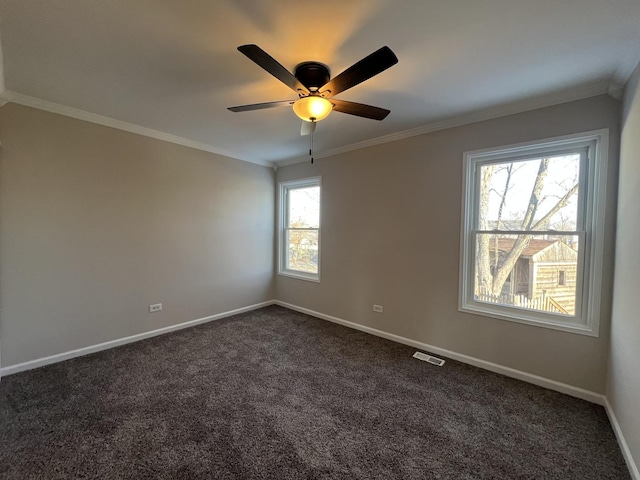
[172,65]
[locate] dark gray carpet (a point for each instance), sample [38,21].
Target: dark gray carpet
[274,394]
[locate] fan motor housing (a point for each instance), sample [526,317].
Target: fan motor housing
[312,75]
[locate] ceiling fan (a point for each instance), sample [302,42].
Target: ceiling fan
[315,87]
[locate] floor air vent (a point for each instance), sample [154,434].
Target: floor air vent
[428,358]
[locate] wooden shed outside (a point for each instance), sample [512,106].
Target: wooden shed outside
[545,274]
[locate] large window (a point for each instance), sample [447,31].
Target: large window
[299,238]
[531,247]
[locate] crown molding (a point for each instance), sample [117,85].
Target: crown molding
[40,104]
[586,91]
[556,98]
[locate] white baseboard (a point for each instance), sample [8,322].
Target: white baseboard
[59,357]
[476,362]
[626,453]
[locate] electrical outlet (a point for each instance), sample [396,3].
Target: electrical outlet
[156,307]
[377,308]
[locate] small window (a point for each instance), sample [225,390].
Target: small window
[562,279]
[531,247]
[299,233]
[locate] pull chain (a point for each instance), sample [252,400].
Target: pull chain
[311,145]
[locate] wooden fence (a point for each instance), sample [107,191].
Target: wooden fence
[543,302]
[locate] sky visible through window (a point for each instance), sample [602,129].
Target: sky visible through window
[562,174]
[304,207]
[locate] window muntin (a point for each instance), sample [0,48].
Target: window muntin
[531,212]
[299,239]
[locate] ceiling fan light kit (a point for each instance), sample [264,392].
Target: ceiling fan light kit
[312,108]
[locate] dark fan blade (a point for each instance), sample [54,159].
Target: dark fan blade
[366,68]
[260,106]
[307,128]
[271,65]
[360,109]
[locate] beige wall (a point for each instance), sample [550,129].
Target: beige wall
[623,389]
[391,236]
[97,223]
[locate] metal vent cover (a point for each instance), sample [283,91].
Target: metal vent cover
[428,358]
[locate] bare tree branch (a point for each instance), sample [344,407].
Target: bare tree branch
[522,241]
[534,200]
[561,203]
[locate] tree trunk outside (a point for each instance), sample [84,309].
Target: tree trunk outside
[522,241]
[483,261]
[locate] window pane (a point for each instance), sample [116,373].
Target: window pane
[304,207]
[303,250]
[529,272]
[539,194]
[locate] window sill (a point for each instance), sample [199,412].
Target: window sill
[517,316]
[309,277]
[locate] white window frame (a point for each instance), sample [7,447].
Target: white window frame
[283,204]
[590,222]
